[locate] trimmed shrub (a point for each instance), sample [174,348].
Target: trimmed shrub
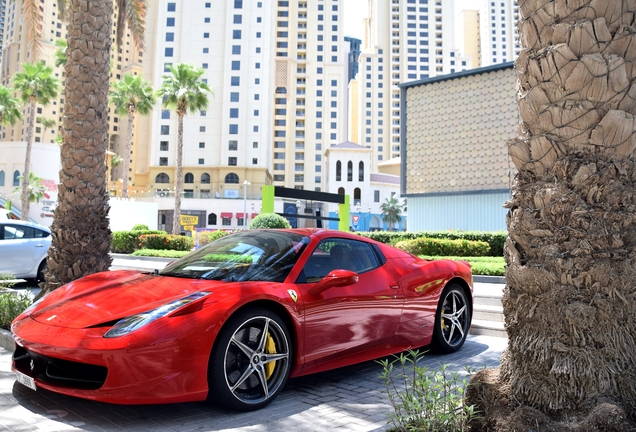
[269,220]
[140,227]
[441,247]
[495,239]
[205,237]
[12,305]
[160,253]
[128,241]
[166,242]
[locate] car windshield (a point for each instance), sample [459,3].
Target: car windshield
[257,255]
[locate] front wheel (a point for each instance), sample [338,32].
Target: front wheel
[452,319]
[250,361]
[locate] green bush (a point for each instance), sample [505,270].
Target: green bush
[11,305]
[495,239]
[6,280]
[205,237]
[160,253]
[128,241]
[166,242]
[425,400]
[441,247]
[140,227]
[269,220]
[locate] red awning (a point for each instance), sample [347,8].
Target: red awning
[239,215]
[254,215]
[226,215]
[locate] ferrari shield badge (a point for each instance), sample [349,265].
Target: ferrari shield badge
[293,295]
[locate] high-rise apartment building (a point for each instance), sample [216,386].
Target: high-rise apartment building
[277,70]
[405,40]
[126,59]
[408,40]
[3,5]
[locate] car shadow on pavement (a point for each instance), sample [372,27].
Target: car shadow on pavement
[349,398]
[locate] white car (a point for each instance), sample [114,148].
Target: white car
[23,249]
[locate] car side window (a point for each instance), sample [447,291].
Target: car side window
[339,254]
[14,232]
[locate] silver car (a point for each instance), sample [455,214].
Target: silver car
[23,249]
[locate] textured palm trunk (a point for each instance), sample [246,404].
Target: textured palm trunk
[178,181]
[24,192]
[129,137]
[570,298]
[81,234]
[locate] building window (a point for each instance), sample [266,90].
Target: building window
[162,178]
[165,114]
[349,171]
[376,196]
[361,171]
[201,161]
[236,49]
[168,52]
[163,145]
[212,219]
[165,130]
[235,81]
[236,34]
[172,7]
[189,178]
[201,145]
[234,112]
[233,129]
[170,22]
[233,145]
[234,97]
[169,37]
[338,171]
[236,65]
[163,161]
[231,178]
[231,161]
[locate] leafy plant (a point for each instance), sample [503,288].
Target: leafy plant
[269,220]
[6,281]
[140,227]
[11,305]
[424,399]
[205,237]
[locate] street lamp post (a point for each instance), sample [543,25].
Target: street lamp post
[245,185]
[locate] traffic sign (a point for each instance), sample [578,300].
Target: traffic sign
[189,220]
[355,218]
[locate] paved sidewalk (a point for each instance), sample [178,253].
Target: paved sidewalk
[347,399]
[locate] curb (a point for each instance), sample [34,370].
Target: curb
[141,258]
[6,341]
[489,279]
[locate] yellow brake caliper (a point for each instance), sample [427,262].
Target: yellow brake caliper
[270,348]
[443,321]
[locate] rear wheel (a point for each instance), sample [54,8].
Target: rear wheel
[41,270]
[250,361]
[452,319]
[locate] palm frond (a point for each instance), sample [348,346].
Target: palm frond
[33,17]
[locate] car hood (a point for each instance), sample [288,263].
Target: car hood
[110,296]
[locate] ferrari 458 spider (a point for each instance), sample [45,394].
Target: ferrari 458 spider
[233,320]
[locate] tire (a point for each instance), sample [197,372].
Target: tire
[249,366]
[40,276]
[452,319]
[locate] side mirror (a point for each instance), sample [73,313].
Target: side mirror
[337,278]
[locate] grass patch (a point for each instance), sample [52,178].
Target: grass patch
[484,266]
[160,253]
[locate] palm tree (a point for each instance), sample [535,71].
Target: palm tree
[36,85]
[570,298]
[183,91]
[36,190]
[81,234]
[60,52]
[9,111]
[131,95]
[46,123]
[391,211]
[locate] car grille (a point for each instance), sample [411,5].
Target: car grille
[62,373]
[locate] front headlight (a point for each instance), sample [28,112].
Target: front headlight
[129,324]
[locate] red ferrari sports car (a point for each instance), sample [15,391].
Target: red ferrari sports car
[234,319]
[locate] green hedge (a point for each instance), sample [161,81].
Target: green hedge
[495,239]
[128,241]
[205,237]
[160,253]
[166,242]
[269,220]
[442,247]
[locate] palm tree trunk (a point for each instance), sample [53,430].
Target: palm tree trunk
[24,193]
[570,298]
[126,167]
[81,233]
[178,182]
